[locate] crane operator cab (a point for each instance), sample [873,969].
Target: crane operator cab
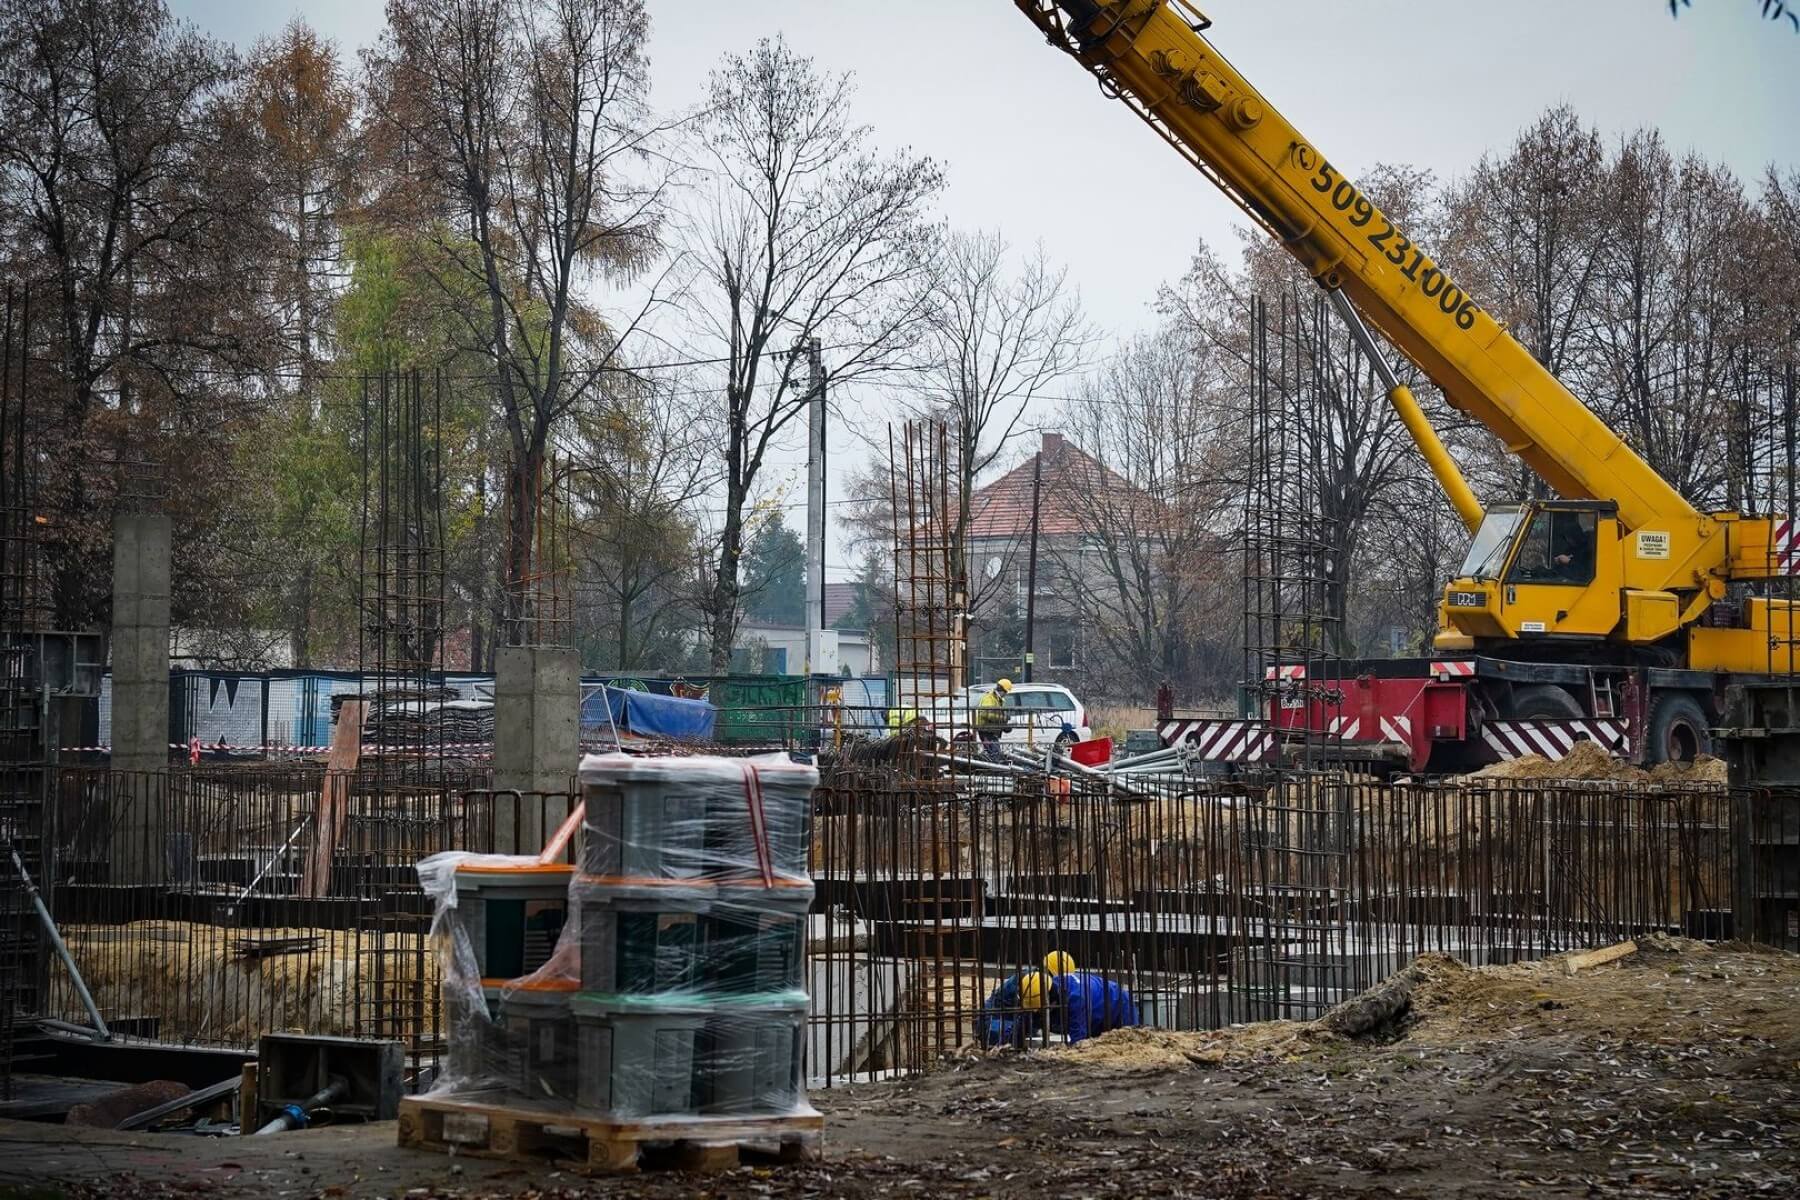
[1546,569]
[1555,546]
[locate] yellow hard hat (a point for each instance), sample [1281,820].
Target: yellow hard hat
[1031,990]
[1059,962]
[1004,685]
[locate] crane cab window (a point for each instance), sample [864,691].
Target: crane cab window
[1557,547]
[1487,553]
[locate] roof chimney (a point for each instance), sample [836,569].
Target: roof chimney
[1053,444]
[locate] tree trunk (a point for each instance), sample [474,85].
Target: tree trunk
[301,644]
[519,584]
[623,661]
[725,584]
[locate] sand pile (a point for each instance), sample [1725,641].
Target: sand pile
[1147,1049]
[1672,989]
[1587,762]
[1704,769]
[192,978]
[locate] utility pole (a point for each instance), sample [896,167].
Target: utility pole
[1037,480]
[815,508]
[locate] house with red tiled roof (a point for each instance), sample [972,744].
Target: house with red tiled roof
[1070,482]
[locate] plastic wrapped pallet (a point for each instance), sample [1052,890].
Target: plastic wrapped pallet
[750,1054]
[704,937]
[509,1033]
[699,817]
[664,978]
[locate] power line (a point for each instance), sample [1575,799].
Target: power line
[293,374]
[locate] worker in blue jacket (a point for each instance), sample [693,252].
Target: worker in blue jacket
[1083,1005]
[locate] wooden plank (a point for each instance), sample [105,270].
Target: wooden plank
[199,1098]
[603,1145]
[247,1099]
[1588,959]
[334,799]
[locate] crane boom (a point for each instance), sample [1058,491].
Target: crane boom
[1152,55]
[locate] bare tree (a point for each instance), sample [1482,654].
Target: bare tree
[527,122]
[300,109]
[993,342]
[635,535]
[1152,494]
[1347,448]
[125,204]
[1667,313]
[802,231]
[1526,230]
[1413,545]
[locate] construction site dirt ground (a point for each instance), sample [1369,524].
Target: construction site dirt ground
[1672,1072]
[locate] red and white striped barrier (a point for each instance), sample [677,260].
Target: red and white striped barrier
[1452,670]
[1217,739]
[1784,545]
[1553,738]
[205,747]
[1382,729]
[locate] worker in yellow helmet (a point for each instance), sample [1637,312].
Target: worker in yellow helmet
[1013,1014]
[990,719]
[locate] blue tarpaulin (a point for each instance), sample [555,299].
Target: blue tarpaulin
[650,715]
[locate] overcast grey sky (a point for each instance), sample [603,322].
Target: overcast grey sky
[1034,150]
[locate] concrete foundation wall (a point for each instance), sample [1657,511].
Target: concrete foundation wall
[537,745]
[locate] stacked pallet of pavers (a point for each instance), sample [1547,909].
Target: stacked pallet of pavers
[518,1034]
[693,899]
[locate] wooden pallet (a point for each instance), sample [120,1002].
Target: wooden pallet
[597,1144]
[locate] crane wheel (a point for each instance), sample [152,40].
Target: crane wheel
[1544,702]
[1679,729]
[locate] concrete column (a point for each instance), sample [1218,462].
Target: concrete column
[537,739]
[140,693]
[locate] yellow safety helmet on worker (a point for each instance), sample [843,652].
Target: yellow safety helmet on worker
[1032,986]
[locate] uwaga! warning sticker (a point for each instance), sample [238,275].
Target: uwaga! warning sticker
[1652,543]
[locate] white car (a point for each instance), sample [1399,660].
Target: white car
[1036,714]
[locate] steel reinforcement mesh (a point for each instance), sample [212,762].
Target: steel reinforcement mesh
[930,892]
[1219,901]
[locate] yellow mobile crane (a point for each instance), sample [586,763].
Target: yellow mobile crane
[1612,580]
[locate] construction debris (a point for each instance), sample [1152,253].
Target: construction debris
[127,1102]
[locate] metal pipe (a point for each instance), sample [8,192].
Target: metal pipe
[982,764]
[294,1115]
[62,949]
[1147,756]
[1064,762]
[57,1025]
[251,886]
